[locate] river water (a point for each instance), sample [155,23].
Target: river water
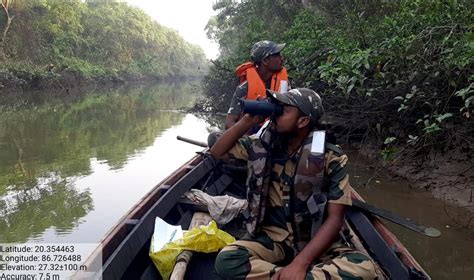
[71,167]
[69,170]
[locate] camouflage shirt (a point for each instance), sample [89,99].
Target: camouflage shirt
[275,222]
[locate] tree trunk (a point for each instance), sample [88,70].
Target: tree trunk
[5,4]
[9,22]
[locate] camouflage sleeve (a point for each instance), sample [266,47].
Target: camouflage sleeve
[239,93]
[338,179]
[240,149]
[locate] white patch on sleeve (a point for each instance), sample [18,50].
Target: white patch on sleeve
[319,138]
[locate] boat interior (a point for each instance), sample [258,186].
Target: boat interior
[125,250]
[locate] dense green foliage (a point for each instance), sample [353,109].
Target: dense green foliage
[52,41]
[397,71]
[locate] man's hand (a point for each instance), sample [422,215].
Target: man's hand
[255,120]
[227,140]
[231,120]
[295,270]
[316,247]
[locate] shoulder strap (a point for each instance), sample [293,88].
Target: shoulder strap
[333,148]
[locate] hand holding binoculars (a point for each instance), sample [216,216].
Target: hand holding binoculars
[265,108]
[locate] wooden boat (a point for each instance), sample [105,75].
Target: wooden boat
[125,249]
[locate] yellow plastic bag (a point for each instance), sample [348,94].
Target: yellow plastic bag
[204,239]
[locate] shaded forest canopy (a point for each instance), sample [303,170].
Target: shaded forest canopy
[397,72]
[46,42]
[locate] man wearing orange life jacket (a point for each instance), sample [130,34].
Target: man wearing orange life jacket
[266,71]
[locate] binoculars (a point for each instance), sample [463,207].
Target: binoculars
[264,108]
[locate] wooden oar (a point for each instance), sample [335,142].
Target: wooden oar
[191,141]
[405,222]
[364,206]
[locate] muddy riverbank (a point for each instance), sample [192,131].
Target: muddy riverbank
[448,177]
[446,257]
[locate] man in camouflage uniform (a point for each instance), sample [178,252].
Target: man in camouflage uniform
[267,65]
[284,175]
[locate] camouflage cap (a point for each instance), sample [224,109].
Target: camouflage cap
[307,100]
[264,49]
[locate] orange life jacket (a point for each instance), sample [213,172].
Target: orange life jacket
[256,87]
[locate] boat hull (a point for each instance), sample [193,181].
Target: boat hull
[125,248]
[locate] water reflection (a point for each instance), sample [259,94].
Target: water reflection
[53,150]
[53,202]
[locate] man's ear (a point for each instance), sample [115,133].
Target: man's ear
[303,121]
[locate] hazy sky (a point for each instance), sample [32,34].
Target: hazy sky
[188,17]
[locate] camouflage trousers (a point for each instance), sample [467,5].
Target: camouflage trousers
[261,258]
